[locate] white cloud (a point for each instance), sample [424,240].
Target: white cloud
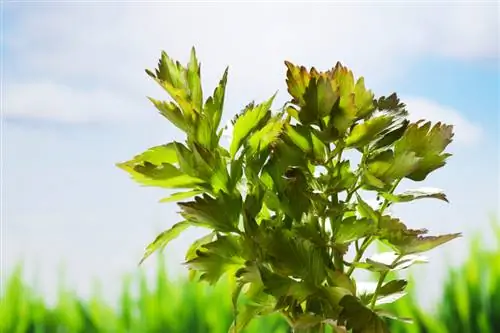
[466,132]
[100,65]
[65,103]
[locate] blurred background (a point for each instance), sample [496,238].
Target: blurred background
[74,103]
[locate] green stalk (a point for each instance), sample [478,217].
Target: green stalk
[381,280]
[369,240]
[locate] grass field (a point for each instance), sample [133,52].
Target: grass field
[470,303]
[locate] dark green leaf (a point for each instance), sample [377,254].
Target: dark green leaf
[391,292]
[197,244]
[408,241]
[339,279]
[280,286]
[387,314]
[221,213]
[218,257]
[352,229]
[359,318]
[307,321]
[392,134]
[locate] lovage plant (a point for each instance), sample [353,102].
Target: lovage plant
[282,205]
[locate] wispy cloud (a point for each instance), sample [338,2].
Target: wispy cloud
[67,54]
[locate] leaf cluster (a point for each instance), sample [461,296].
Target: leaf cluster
[281,204]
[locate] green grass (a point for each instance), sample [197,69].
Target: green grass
[470,303]
[164,306]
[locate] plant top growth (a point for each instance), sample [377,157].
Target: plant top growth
[282,205]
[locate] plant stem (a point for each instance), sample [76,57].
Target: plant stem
[379,285]
[368,240]
[381,280]
[359,255]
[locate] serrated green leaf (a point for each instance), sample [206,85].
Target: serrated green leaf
[364,99]
[392,287]
[216,258]
[291,255]
[197,244]
[408,241]
[392,134]
[221,213]
[340,179]
[427,143]
[203,133]
[411,195]
[214,105]
[307,321]
[251,119]
[319,99]
[387,314]
[339,279]
[388,167]
[235,295]
[364,133]
[391,105]
[417,244]
[373,182]
[299,136]
[366,211]
[258,303]
[172,77]
[180,196]
[160,175]
[211,167]
[297,80]
[164,238]
[352,229]
[319,148]
[172,112]
[261,139]
[391,292]
[281,286]
[390,261]
[358,318]
[194,81]
[427,165]
[158,155]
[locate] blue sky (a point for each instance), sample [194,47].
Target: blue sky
[75,104]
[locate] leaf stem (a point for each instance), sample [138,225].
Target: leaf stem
[381,280]
[368,240]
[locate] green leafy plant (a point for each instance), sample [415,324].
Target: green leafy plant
[283,205]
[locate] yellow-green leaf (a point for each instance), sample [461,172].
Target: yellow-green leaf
[194,81]
[172,112]
[164,238]
[364,133]
[247,122]
[180,196]
[261,139]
